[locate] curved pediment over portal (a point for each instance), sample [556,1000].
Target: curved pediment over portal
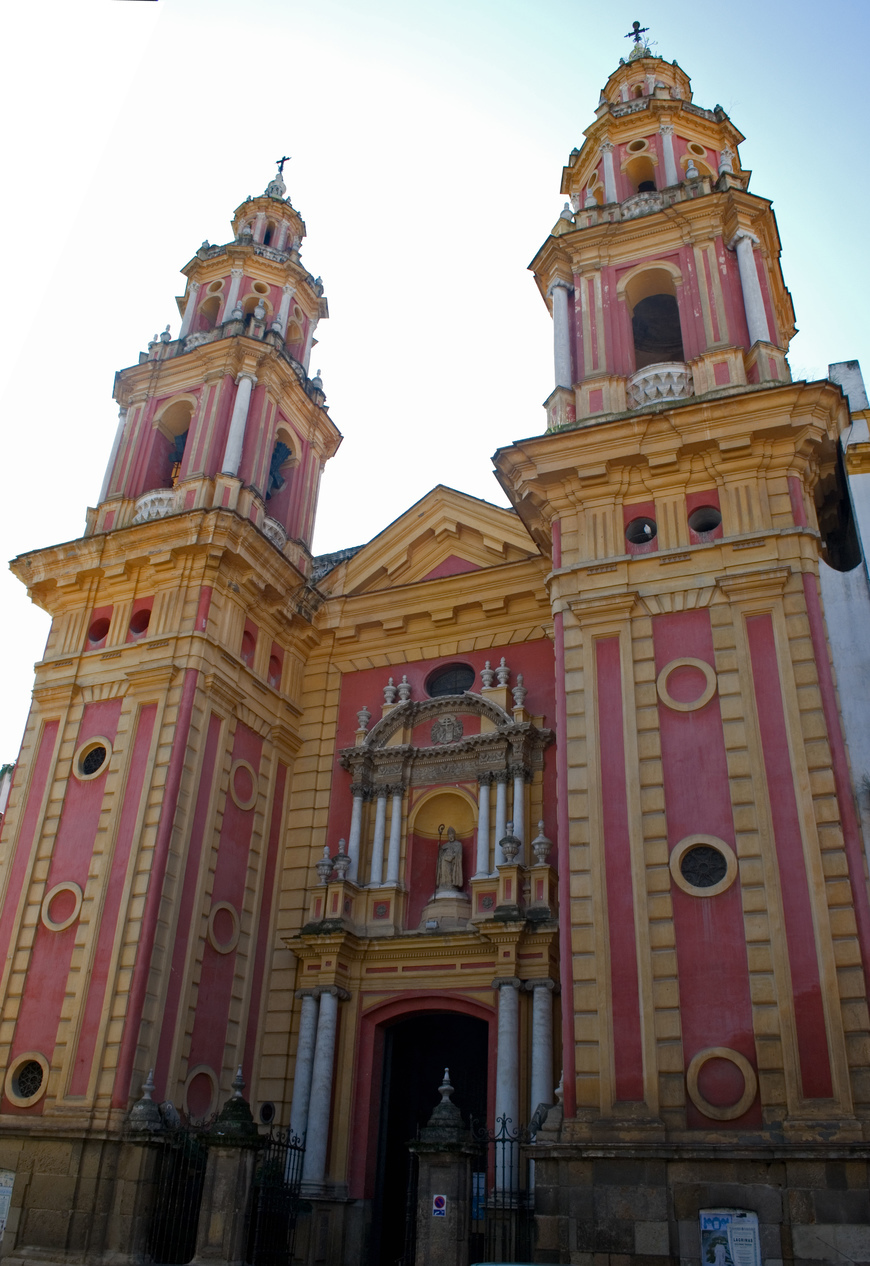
[435,722]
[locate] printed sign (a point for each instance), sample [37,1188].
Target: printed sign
[729,1237]
[439,1206]
[7,1178]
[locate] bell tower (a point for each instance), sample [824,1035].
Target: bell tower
[143,831]
[715,929]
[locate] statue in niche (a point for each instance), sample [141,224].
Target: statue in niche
[448,870]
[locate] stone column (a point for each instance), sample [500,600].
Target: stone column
[482,868]
[395,848]
[189,308]
[281,237]
[377,871]
[606,151]
[259,226]
[542,1041]
[753,301]
[314,1165]
[507,1084]
[667,131]
[309,339]
[561,333]
[500,814]
[232,293]
[355,835]
[236,437]
[304,1062]
[280,322]
[519,809]
[116,444]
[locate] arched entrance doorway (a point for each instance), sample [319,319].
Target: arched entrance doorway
[417,1049]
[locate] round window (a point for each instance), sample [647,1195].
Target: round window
[635,147]
[705,519]
[28,1079]
[93,760]
[703,866]
[140,621]
[696,149]
[98,630]
[260,289]
[451,679]
[641,531]
[215,287]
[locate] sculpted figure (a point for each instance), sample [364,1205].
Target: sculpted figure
[448,872]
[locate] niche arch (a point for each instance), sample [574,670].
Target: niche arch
[652,293]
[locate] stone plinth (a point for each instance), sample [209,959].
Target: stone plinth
[444,1152]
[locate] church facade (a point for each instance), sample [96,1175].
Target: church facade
[569,797]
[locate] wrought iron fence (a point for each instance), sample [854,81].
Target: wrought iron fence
[179,1175]
[502,1209]
[274,1203]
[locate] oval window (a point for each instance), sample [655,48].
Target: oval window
[98,630]
[641,531]
[705,519]
[451,679]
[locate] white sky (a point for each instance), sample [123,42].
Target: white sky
[427,142]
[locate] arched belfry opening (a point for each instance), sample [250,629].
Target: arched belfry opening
[642,174]
[416,1050]
[655,318]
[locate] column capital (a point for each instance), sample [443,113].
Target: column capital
[559,283]
[666,129]
[501,982]
[193,285]
[500,775]
[542,982]
[606,147]
[395,788]
[336,991]
[246,373]
[381,792]
[485,778]
[287,289]
[740,236]
[360,790]
[307,993]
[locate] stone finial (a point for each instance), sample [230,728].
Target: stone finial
[237,312]
[487,675]
[404,689]
[234,1123]
[445,1123]
[503,673]
[591,200]
[260,310]
[341,861]
[445,1090]
[519,692]
[145,1114]
[726,160]
[509,845]
[390,692]
[363,717]
[166,337]
[692,172]
[560,1090]
[324,866]
[541,845]
[238,1083]
[566,213]
[317,381]
[276,187]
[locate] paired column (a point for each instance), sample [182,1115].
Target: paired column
[232,294]
[320,1102]
[377,871]
[358,792]
[507,1087]
[753,300]
[309,339]
[304,1062]
[190,308]
[280,322]
[500,813]
[482,867]
[116,444]
[236,438]
[519,810]
[395,848]
[667,132]
[605,149]
[542,1041]
[559,290]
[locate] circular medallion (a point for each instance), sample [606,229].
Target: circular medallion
[67,915]
[692,705]
[243,784]
[750,1083]
[223,927]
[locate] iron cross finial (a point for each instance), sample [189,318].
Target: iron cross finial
[636,32]
[286,158]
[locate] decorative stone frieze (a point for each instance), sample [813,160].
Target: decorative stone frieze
[157,504]
[671,380]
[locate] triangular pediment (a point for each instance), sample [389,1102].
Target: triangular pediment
[446,533]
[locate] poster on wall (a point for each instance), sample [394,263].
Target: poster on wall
[729,1237]
[7,1178]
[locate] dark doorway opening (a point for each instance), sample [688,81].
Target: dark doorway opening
[416,1052]
[655,324]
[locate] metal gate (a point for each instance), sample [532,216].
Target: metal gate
[502,1204]
[273,1208]
[179,1175]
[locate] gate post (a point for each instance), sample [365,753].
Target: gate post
[232,1142]
[444,1151]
